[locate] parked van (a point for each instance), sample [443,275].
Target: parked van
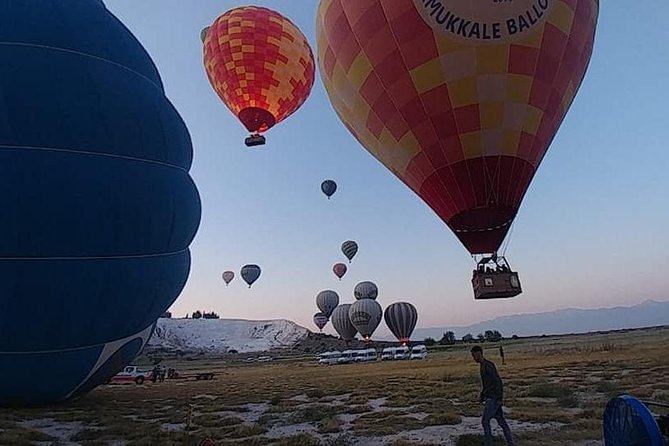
[388,354]
[366,355]
[329,358]
[418,352]
[402,352]
[347,357]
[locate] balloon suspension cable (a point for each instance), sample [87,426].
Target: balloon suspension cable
[507,242]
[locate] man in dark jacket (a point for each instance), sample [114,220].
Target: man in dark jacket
[492,395]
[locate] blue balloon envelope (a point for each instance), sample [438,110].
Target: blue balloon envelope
[98,208]
[628,422]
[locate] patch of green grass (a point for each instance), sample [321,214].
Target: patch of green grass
[86,434]
[361,408]
[246,430]
[549,390]
[609,388]
[383,423]
[315,393]
[20,436]
[443,418]
[476,440]
[298,440]
[313,413]
[570,400]
[329,425]
[207,420]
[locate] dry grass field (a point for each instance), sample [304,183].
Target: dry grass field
[556,389]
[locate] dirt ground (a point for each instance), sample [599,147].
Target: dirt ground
[556,390]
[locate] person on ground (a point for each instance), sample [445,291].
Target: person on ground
[501,354]
[492,395]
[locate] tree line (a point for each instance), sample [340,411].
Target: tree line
[195,315]
[449,338]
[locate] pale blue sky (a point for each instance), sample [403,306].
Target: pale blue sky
[591,231]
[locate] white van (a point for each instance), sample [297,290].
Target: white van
[402,352]
[418,352]
[388,354]
[366,355]
[329,358]
[347,357]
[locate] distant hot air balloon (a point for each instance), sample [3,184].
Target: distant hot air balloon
[320,320]
[342,323]
[365,315]
[366,290]
[350,249]
[401,318]
[203,33]
[459,99]
[227,277]
[260,65]
[250,274]
[339,269]
[99,208]
[327,301]
[329,187]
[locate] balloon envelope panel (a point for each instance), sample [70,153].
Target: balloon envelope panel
[95,180]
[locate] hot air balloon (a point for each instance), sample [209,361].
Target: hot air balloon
[227,277]
[250,274]
[366,290]
[329,187]
[320,320]
[342,323]
[327,301]
[460,100]
[350,249]
[95,160]
[365,315]
[339,269]
[260,65]
[401,318]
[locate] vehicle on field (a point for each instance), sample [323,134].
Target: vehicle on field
[366,355]
[418,352]
[388,354]
[329,358]
[347,357]
[402,352]
[130,374]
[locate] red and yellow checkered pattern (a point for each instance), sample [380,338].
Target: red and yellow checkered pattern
[463,122]
[257,59]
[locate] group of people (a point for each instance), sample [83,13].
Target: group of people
[487,269]
[159,373]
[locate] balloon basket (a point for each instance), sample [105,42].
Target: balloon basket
[494,279]
[255,140]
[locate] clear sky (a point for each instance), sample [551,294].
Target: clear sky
[592,230]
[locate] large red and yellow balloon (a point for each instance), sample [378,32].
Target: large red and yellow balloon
[460,99]
[260,65]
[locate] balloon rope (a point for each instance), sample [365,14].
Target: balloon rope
[507,242]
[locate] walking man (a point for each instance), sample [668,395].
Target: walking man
[501,354]
[492,395]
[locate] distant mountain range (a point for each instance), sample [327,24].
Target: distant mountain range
[572,320]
